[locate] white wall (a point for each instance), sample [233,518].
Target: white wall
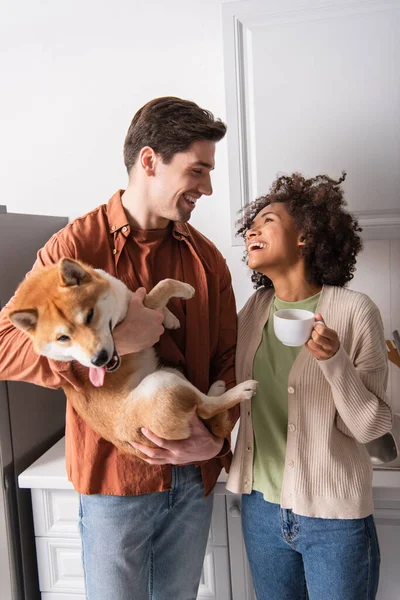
[72,76]
[73,73]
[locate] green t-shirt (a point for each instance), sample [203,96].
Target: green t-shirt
[272,364]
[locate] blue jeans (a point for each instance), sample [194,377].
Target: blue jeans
[295,558]
[146,547]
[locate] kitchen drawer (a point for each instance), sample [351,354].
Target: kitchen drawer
[55,513]
[60,565]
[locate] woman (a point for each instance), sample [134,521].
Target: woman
[300,458]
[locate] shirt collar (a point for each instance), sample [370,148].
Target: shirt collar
[118,220]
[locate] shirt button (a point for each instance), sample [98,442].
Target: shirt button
[292,427]
[114,251]
[291,463]
[124,229]
[290,390]
[113,228]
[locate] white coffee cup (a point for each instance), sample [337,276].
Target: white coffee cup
[293,326]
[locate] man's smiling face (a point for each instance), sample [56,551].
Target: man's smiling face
[177,185]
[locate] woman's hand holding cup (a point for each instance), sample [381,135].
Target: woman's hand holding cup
[324,342]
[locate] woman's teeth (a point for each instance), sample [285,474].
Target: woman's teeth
[256,246]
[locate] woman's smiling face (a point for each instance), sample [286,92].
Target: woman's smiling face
[273,240]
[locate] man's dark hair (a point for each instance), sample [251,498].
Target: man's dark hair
[169,125]
[330,233]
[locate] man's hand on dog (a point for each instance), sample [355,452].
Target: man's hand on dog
[141,328]
[201,445]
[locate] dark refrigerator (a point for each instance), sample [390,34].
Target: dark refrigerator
[31,418]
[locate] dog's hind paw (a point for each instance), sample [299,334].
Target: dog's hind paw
[217,389]
[170,320]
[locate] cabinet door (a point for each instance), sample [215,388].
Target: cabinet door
[215,580]
[242,585]
[387,522]
[59,565]
[312,87]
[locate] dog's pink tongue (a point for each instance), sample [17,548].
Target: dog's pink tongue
[96,376]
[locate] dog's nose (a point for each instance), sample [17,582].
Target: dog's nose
[100,359]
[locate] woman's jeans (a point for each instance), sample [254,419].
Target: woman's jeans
[148,547]
[295,558]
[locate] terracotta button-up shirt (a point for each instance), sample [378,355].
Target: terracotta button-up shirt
[103,239]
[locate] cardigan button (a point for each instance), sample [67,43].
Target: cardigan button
[290,389]
[291,427]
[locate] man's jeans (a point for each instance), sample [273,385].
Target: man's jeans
[295,558]
[148,547]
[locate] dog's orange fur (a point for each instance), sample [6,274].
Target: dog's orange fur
[58,298]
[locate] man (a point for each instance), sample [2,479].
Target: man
[144,525]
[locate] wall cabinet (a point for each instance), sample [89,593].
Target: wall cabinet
[311,88]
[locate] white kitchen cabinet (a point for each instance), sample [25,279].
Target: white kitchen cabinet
[386,493]
[226,574]
[58,546]
[387,520]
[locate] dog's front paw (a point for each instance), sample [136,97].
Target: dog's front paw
[247,389]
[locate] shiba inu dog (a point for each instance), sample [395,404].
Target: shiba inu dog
[69,311]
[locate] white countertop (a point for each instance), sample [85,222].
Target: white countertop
[48,472]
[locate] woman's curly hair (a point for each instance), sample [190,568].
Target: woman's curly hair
[331,236]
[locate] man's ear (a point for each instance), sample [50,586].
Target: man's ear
[147,160]
[26,320]
[72,272]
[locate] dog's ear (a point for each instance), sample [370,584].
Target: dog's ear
[25,320]
[72,272]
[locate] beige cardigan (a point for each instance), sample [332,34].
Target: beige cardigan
[334,407]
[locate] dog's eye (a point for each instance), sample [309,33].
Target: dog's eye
[89,316]
[63,338]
